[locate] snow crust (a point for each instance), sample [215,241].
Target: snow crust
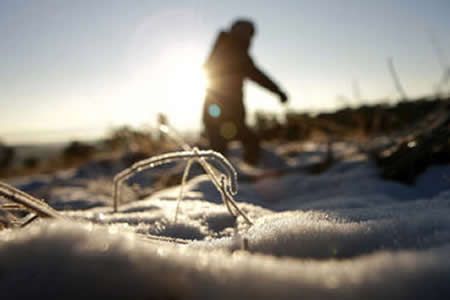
[73,261]
[342,234]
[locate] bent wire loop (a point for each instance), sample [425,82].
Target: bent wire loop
[225,181]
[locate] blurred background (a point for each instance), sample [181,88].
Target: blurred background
[73,73]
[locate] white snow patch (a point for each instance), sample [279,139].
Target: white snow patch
[342,234]
[74,261]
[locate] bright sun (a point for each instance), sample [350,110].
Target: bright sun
[172,83]
[185,81]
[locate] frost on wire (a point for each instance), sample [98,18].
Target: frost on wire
[225,179]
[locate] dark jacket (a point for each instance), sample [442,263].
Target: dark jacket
[227,66]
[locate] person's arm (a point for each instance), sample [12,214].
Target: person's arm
[258,76]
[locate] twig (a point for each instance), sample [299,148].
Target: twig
[225,183]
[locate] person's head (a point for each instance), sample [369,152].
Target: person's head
[243,29]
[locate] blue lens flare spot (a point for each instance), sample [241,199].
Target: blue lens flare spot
[214,110]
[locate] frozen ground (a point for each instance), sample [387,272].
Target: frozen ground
[342,234]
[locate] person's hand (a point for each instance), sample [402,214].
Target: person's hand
[283,97]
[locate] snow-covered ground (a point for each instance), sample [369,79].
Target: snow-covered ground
[341,234]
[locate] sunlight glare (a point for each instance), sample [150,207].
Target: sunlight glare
[185,81]
[171,82]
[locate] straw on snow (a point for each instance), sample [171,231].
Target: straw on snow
[25,201]
[225,183]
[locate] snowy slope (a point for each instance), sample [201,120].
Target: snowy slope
[342,234]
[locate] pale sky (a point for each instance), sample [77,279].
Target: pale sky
[71,69]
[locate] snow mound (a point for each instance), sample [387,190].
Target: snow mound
[76,261]
[341,234]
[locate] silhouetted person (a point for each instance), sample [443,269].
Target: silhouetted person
[224,113]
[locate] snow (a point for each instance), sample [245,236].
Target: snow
[74,261]
[341,234]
